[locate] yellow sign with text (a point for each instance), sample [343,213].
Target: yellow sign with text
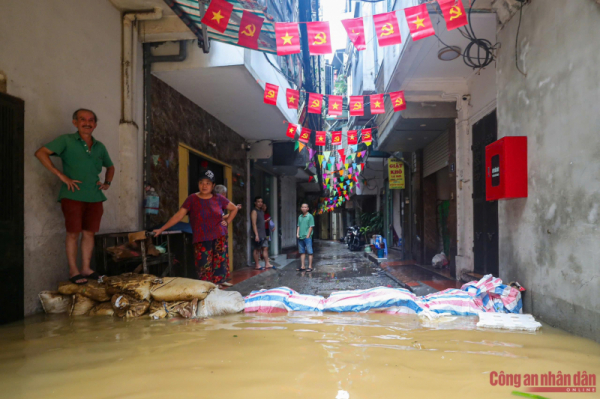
[396,174]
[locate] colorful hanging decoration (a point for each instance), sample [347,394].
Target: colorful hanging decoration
[250,26]
[291,130]
[270,96]
[366,136]
[304,135]
[419,22]
[377,104]
[336,138]
[454,13]
[292,96]
[217,15]
[352,137]
[319,38]
[315,102]
[387,29]
[335,105]
[321,140]
[356,32]
[398,100]
[357,105]
[287,37]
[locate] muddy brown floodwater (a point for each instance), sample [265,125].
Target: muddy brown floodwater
[278,356]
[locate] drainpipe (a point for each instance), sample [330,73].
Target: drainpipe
[129,168]
[150,59]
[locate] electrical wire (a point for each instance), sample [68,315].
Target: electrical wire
[517,42]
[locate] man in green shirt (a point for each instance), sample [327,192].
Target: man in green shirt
[306,224]
[81,193]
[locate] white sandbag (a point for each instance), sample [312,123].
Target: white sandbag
[172,289]
[219,303]
[55,302]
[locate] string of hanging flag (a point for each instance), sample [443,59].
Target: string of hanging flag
[287,34]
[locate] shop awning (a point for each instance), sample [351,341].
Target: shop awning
[190,14]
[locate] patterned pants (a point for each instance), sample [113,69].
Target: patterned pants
[212,260]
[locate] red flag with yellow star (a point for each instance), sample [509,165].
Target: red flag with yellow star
[291,130]
[315,101]
[454,13]
[356,32]
[304,135]
[377,104]
[287,38]
[366,136]
[419,22]
[387,29]
[292,96]
[336,138]
[319,38]
[398,100]
[270,96]
[335,105]
[357,105]
[217,15]
[321,138]
[250,26]
[352,137]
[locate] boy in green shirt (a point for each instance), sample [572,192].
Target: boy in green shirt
[306,224]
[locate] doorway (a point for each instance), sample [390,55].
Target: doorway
[12,288]
[485,213]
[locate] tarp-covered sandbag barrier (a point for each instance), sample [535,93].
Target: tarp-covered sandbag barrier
[450,302]
[219,303]
[397,300]
[173,289]
[492,295]
[282,299]
[55,302]
[92,289]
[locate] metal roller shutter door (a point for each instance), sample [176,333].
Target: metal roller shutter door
[436,155]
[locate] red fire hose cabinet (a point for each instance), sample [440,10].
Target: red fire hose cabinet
[506,168]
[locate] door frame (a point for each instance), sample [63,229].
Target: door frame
[184,162]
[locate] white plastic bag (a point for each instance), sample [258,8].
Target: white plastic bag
[219,303]
[439,260]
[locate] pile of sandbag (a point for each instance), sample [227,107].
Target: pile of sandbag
[132,295]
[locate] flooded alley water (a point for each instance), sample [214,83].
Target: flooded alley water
[277,356]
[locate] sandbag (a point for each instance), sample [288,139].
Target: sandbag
[135,309]
[93,290]
[102,309]
[134,285]
[82,305]
[121,301]
[219,303]
[174,289]
[55,302]
[162,309]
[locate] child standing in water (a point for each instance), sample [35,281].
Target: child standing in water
[306,224]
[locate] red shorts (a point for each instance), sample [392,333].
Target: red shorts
[81,215]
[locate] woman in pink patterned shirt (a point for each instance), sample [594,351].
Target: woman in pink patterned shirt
[205,210]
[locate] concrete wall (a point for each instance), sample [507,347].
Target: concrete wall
[549,241]
[59,56]
[289,212]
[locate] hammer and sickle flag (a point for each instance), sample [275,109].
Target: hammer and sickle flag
[366,136]
[250,26]
[356,32]
[335,105]
[292,96]
[377,104]
[287,38]
[304,135]
[352,137]
[319,38]
[454,13]
[321,139]
[419,22]
[357,105]
[315,101]
[387,29]
[336,138]
[398,100]
[291,130]
[271,91]
[217,15]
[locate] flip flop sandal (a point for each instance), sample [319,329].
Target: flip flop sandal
[260,268]
[310,269]
[92,276]
[226,284]
[299,269]
[78,277]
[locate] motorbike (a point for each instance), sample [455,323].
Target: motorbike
[355,239]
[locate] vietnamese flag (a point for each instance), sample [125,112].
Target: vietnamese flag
[270,96]
[454,13]
[217,15]
[398,100]
[319,38]
[352,137]
[287,38]
[335,105]
[419,22]
[387,29]
[377,104]
[292,96]
[336,138]
[357,105]
[304,135]
[356,32]
[321,138]
[250,26]
[366,136]
[291,130]
[315,101]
